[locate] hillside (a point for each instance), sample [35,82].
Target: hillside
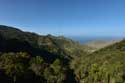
[98,44]
[32,58]
[40,58]
[106,65]
[32,43]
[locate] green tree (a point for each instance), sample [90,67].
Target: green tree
[13,64]
[55,73]
[37,65]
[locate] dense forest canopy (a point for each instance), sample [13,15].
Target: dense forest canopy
[32,58]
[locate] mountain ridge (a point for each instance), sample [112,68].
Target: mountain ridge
[54,45]
[28,57]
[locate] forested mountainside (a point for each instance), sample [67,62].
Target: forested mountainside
[47,48]
[106,65]
[12,38]
[31,58]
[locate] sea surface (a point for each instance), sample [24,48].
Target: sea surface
[84,40]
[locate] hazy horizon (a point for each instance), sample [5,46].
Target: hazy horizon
[79,38]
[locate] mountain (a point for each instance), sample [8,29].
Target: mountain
[50,47]
[32,58]
[106,65]
[98,44]
[29,57]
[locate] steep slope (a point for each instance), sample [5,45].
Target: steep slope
[29,57]
[14,40]
[50,47]
[98,44]
[106,65]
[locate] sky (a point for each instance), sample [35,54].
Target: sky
[65,17]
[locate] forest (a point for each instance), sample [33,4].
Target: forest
[32,58]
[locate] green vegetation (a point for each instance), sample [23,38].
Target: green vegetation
[16,66]
[31,58]
[103,66]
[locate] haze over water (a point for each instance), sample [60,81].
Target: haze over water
[87,39]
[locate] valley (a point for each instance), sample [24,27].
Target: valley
[33,58]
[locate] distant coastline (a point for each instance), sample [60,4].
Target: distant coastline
[87,39]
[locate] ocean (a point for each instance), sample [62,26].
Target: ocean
[83,40]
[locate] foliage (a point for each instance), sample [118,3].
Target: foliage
[55,73]
[103,66]
[31,58]
[16,65]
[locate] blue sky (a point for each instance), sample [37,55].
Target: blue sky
[65,17]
